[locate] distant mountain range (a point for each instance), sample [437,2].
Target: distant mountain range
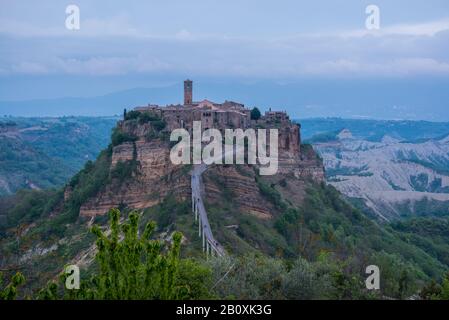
[416,100]
[106,105]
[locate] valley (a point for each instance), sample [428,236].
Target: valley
[42,153]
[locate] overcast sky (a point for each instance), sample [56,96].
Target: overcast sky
[160,42]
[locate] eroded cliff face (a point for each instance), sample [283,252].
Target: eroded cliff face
[154,176]
[296,159]
[310,166]
[236,182]
[152,180]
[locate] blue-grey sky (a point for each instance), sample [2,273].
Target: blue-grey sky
[126,44]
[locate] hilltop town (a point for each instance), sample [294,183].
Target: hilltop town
[228,114]
[145,144]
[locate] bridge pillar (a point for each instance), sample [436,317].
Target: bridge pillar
[204,242]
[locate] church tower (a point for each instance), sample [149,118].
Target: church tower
[188,92]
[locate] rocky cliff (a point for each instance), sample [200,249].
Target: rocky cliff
[153,175]
[145,153]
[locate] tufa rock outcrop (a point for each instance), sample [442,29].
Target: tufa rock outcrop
[142,175]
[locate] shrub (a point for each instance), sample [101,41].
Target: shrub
[136,267]
[123,170]
[255,114]
[145,117]
[158,124]
[10,291]
[272,195]
[132,115]
[118,137]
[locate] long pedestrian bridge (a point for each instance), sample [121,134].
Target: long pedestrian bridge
[210,245]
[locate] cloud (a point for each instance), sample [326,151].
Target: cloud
[115,46]
[11,27]
[101,66]
[29,68]
[184,35]
[430,28]
[117,26]
[395,67]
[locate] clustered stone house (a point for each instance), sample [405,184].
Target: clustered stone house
[149,187]
[226,115]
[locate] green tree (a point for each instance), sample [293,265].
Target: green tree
[132,115]
[301,282]
[445,288]
[255,114]
[435,291]
[10,291]
[133,266]
[430,291]
[119,137]
[251,276]
[397,281]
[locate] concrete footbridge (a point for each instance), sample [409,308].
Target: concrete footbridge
[210,245]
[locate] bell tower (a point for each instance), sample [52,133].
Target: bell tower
[188,92]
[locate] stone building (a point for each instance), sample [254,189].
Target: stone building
[227,115]
[150,185]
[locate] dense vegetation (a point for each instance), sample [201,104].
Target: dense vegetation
[45,152]
[22,166]
[133,266]
[119,137]
[129,266]
[428,233]
[325,224]
[135,118]
[9,292]
[145,117]
[29,206]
